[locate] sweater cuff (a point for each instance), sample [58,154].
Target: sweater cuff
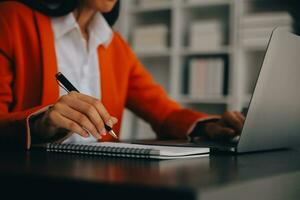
[211,118]
[28,128]
[179,124]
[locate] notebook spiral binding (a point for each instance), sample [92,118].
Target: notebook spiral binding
[99,150]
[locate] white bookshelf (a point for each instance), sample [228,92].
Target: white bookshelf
[167,65]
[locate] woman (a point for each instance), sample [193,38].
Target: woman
[39,38]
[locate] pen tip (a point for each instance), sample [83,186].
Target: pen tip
[113,134]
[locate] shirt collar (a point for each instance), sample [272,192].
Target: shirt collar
[63,25]
[98,28]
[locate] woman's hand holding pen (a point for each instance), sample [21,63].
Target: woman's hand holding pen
[78,113]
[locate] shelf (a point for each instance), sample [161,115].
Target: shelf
[153,8]
[190,52]
[204,3]
[184,52]
[204,100]
[255,48]
[149,53]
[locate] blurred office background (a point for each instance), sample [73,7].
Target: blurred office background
[205,53]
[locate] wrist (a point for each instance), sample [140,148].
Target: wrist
[40,131]
[200,130]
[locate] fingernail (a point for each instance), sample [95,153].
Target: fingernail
[86,134]
[103,131]
[115,120]
[109,123]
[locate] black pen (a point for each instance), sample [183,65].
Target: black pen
[69,87]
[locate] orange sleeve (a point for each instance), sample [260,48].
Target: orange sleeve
[149,101]
[14,131]
[6,62]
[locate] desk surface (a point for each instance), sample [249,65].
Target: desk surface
[265,175]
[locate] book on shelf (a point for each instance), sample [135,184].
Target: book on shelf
[206,77]
[261,32]
[150,37]
[216,77]
[197,78]
[256,29]
[206,34]
[255,42]
[206,26]
[267,19]
[206,42]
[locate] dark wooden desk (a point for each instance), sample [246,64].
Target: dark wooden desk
[269,175]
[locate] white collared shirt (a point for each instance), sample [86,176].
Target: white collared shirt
[78,59]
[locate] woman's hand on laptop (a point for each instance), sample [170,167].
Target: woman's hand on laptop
[228,126]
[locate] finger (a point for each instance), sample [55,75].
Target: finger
[97,104]
[115,120]
[233,121]
[87,109]
[79,118]
[62,122]
[239,116]
[99,107]
[216,131]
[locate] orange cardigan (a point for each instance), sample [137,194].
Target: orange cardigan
[27,83]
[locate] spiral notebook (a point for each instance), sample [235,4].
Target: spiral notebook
[128,150]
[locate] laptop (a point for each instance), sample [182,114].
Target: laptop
[273,118]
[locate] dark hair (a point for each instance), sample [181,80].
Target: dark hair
[56,8]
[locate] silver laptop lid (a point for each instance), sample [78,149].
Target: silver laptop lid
[273,119]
